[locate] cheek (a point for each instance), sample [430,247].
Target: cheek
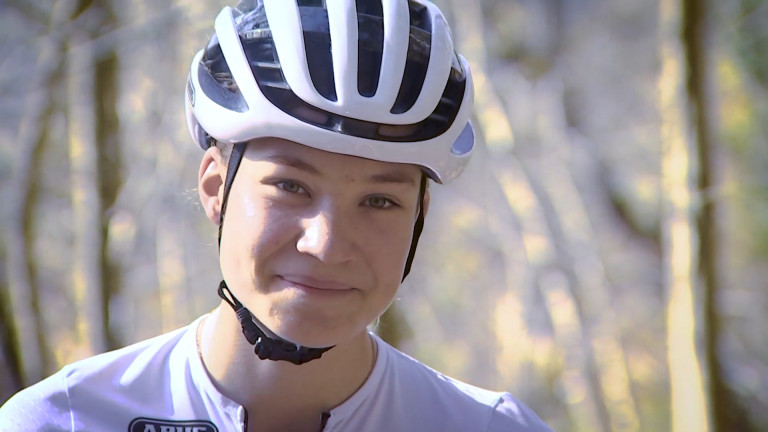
[391,247]
[261,224]
[248,226]
[250,209]
[243,218]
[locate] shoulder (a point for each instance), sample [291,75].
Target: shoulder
[43,406]
[122,368]
[459,405]
[88,385]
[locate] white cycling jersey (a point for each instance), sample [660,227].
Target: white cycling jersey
[160,385]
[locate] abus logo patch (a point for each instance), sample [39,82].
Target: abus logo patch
[153,425]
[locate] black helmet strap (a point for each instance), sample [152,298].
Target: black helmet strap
[417,227]
[263,346]
[238,150]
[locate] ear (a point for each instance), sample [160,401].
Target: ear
[210,183]
[425,202]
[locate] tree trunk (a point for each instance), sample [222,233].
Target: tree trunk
[87,285]
[95,162]
[689,408]
[109,160]
[10,365]
[29,333]
[697,35]
[26,331]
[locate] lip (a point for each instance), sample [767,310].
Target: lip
[314,284]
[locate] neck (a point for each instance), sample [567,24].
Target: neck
[278,388]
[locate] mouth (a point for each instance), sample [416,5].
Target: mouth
[314,285]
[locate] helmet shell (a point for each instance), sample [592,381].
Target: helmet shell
[373,79]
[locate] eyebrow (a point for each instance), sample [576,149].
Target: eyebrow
[293,162]
[394,176]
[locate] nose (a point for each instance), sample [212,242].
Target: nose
[326,237]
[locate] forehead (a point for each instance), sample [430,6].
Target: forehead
[320,162]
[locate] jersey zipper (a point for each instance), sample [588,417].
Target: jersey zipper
[324,420]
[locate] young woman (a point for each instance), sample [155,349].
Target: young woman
[322,122]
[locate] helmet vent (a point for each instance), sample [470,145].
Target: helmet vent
[420,16]
[216,79]
[417,60]
[370,45]
[265,65]
[317,45]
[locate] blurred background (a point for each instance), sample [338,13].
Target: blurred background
[602,259]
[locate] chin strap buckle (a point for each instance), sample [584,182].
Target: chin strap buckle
[264,347]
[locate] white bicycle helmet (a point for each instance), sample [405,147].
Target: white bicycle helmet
[377,79]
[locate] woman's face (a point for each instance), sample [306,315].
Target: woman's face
[314,243]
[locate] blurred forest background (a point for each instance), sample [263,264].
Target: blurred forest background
[603,259]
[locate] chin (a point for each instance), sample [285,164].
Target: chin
[316,334]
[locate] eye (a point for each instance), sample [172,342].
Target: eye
[379,202]
[290,186]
